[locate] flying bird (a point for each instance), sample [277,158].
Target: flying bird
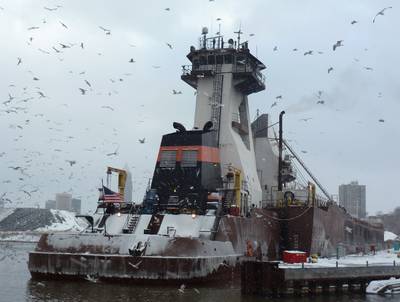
[310,52]
[113,153]
[41,94]
[337,44]
[135,266]
[33,27]
[167,9]
[353,22]
[274,104]
[64,45]
[169,45]
[330,69]
[176,92]
[107,31]
[368,68]
[381,120]
[381,13]
[132,60]
[56,50]
[19,61]
[71,162]
[142,141]
[63,25]
[275,48]
[278,97]
[321,102]
[35,79]
[108,107]
[83,91]
[87,83]
[181,289]
[82,45]
[252,35]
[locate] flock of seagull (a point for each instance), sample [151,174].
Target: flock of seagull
[13,105]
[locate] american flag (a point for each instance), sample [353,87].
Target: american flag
[110,196]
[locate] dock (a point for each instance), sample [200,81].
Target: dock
[269,279]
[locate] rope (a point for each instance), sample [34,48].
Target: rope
[289,219]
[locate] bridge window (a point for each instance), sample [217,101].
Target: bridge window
[168,159]
[211,60]
[228,59]
[189,158]
[220,59]
[203,60]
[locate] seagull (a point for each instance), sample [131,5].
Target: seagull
[330,69]
[321,102]
[169,45]
[63,25]
[41,94]
[142,141]
[218,19]
[294,49]
[82,45]
[278,97]
[27,193]
[368,68]
[108,107]
[167,9]
[252,35]
[83,91]
[107,31]
[353,22]
[113,153]
[303,151]
[337,44]
[381,120]
[176,92]
[135,266]
[181,289]
[57,51]
[87,83]
[71,162]
[33,27]
[275,48]
[19,61]
[310,52]
[64,45]
[132,60]
[91,279]
[382,12]
[196,290]
[274,104]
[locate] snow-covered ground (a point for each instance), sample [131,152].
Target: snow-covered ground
[386,257]
[66,222]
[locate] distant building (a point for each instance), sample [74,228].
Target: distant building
[352,198]
[76,205]
[63,201]
[128,185]
[50,204]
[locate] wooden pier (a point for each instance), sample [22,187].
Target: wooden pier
[267,278]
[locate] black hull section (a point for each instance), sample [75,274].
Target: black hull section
[325,230]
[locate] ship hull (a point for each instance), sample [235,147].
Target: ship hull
[165,260]
[327,231]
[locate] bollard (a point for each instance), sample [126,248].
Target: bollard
[367,263]
[336,264]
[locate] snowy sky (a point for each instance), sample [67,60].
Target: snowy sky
[343,141]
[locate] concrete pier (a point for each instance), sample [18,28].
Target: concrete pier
[267,278]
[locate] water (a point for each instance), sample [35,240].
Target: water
[16,285]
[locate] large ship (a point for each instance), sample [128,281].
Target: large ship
[220,191]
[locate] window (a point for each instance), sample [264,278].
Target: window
[189,158]
[168,159]
[228,59]
[211,60]
[220,60]
[203,60]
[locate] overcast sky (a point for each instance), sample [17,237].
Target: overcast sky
[343,141]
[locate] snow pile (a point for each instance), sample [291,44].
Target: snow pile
[389,236]
[64,221]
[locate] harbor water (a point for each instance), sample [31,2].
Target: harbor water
[16,285]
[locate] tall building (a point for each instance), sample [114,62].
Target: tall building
[63,201]
[76,205]
[352,198]
[128,185]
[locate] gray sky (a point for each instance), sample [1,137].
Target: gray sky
[344,140]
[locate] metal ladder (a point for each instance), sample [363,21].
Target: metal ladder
[131,224]
[217,99]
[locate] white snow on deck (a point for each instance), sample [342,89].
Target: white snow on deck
[381,258]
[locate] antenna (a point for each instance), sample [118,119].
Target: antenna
[239,32]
